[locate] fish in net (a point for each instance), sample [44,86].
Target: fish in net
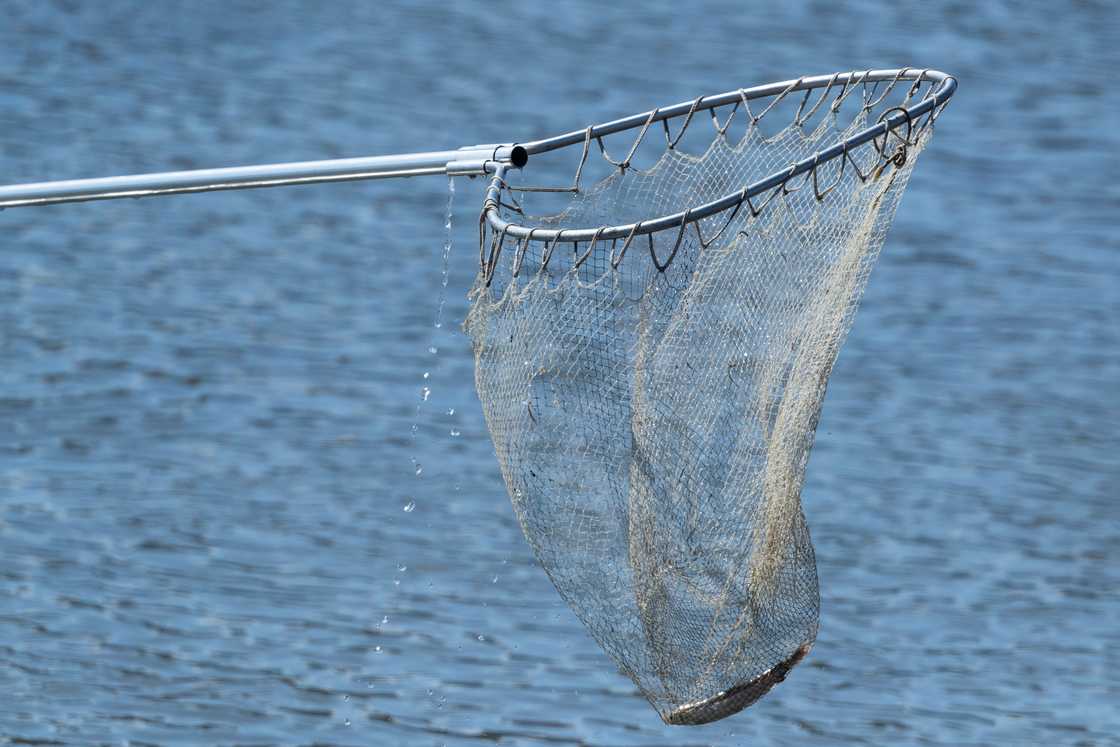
[653,393]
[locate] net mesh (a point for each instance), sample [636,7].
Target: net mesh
[653,426]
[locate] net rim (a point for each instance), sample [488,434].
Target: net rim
[893,120]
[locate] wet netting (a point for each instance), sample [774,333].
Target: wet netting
[653,392]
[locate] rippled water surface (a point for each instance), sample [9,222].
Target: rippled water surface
[229,516]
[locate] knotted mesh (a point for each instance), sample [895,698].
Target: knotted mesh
[653,425]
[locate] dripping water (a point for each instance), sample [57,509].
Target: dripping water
[425,388]
[446,255]
[408,501]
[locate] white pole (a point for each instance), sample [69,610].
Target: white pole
[474,160]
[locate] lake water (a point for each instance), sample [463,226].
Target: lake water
[228,516]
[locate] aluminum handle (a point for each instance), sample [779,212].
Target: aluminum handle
[475,160]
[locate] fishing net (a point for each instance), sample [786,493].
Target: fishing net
[652,356]
[653,397]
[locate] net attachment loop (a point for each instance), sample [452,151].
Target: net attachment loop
[802,116]
[581,259]
[898,157]
[755,119]
[672,140]
[616,261]
[625,163]
[662,266]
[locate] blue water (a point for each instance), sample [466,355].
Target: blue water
[212,529]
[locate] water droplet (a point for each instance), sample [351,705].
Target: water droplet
[482,638]
[433,349]
[408,507]
[346,722]
[377,649]
[346,697]
[425,392]
[454,432]
[451,411]
[495,580]
[396,582]
[385,620]
[427,374]
[402,567]
[446,251]
[419,469]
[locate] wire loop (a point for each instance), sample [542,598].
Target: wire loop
[519,252]
[672,141]
[615,262]
[549,248]
[722,129]
[590,247]
[495,255]
[625,163]
[676,247]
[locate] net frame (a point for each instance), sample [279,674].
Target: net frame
[913,120]
[864,155]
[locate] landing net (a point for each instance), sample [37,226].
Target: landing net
[653,388]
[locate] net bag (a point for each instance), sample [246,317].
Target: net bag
[652,359]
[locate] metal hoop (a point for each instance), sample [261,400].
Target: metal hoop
[945,86]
